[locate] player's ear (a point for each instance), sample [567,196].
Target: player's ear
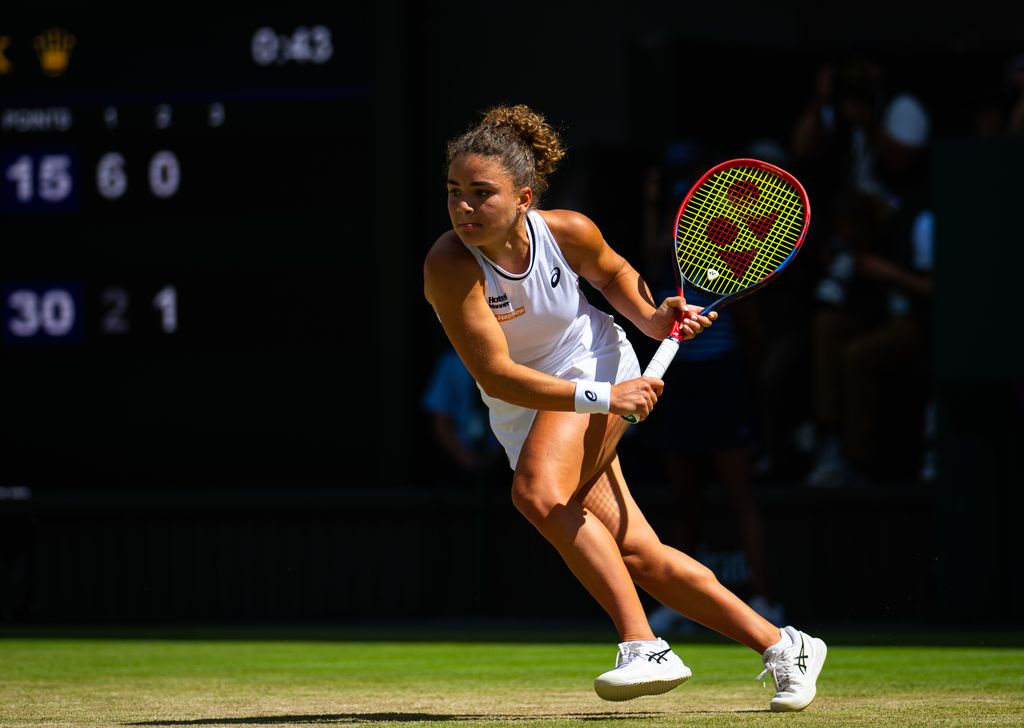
[525,198]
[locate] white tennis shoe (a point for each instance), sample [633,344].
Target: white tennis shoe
[794,669]
[643,667]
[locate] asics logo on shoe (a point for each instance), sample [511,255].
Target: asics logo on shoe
[801,659]
[658,657]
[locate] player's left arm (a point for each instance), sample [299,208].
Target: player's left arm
[594,260]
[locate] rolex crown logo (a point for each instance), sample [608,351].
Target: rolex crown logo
[54,49]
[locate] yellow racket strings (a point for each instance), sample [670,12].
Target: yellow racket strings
[738,200]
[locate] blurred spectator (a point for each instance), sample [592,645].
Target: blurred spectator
[459,423]
[995,106]
[828,151]
[871,332]
[831,140]
[780,363]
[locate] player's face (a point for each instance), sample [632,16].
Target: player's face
[483,202]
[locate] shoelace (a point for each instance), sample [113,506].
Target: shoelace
[780,671]
[627,653]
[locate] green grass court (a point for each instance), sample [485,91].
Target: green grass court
[139,680]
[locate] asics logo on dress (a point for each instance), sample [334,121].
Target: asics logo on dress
[801,659]
[658,657]
[556,275]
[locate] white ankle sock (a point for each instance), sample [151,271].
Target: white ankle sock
[651,644]
[785,642]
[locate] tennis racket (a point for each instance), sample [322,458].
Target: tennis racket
[738,227]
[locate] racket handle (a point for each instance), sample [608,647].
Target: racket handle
[662,358]
[658,366]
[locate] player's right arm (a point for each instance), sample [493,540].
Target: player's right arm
[454,285]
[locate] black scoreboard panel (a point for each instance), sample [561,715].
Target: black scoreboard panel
[187,216]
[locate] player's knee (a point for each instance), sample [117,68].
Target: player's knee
[533,500]
[699,577]
[648,563]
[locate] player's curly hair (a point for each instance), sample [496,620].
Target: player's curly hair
[528,147]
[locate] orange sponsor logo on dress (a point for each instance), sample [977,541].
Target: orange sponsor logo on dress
[511,314]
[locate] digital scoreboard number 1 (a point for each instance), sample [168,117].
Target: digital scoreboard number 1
[39,181]
[68,313]
[50,180]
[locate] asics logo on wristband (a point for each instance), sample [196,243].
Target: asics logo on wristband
[592,396]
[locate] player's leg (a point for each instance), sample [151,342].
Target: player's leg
[560,448]
[669,575]
[793,658]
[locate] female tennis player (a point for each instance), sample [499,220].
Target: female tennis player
[558,375]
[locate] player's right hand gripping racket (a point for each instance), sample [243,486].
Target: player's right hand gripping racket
[739,226]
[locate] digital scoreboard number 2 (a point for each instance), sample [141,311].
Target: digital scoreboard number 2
[56,313]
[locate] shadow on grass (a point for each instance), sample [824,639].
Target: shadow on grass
[355,718]
[386,718]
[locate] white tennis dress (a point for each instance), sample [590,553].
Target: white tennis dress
[551,327]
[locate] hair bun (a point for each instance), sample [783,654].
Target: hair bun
[533,129]
[527,145]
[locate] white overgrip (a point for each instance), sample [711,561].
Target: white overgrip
[662,358]
[659,364]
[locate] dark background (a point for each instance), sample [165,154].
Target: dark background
[269,460]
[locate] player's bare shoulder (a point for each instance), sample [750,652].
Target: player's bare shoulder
[574,227]
[577,235]
[448,266]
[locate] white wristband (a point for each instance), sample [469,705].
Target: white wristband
[593,396]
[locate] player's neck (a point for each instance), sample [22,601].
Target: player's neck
[513,253]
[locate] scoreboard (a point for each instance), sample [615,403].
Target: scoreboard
[190,226]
